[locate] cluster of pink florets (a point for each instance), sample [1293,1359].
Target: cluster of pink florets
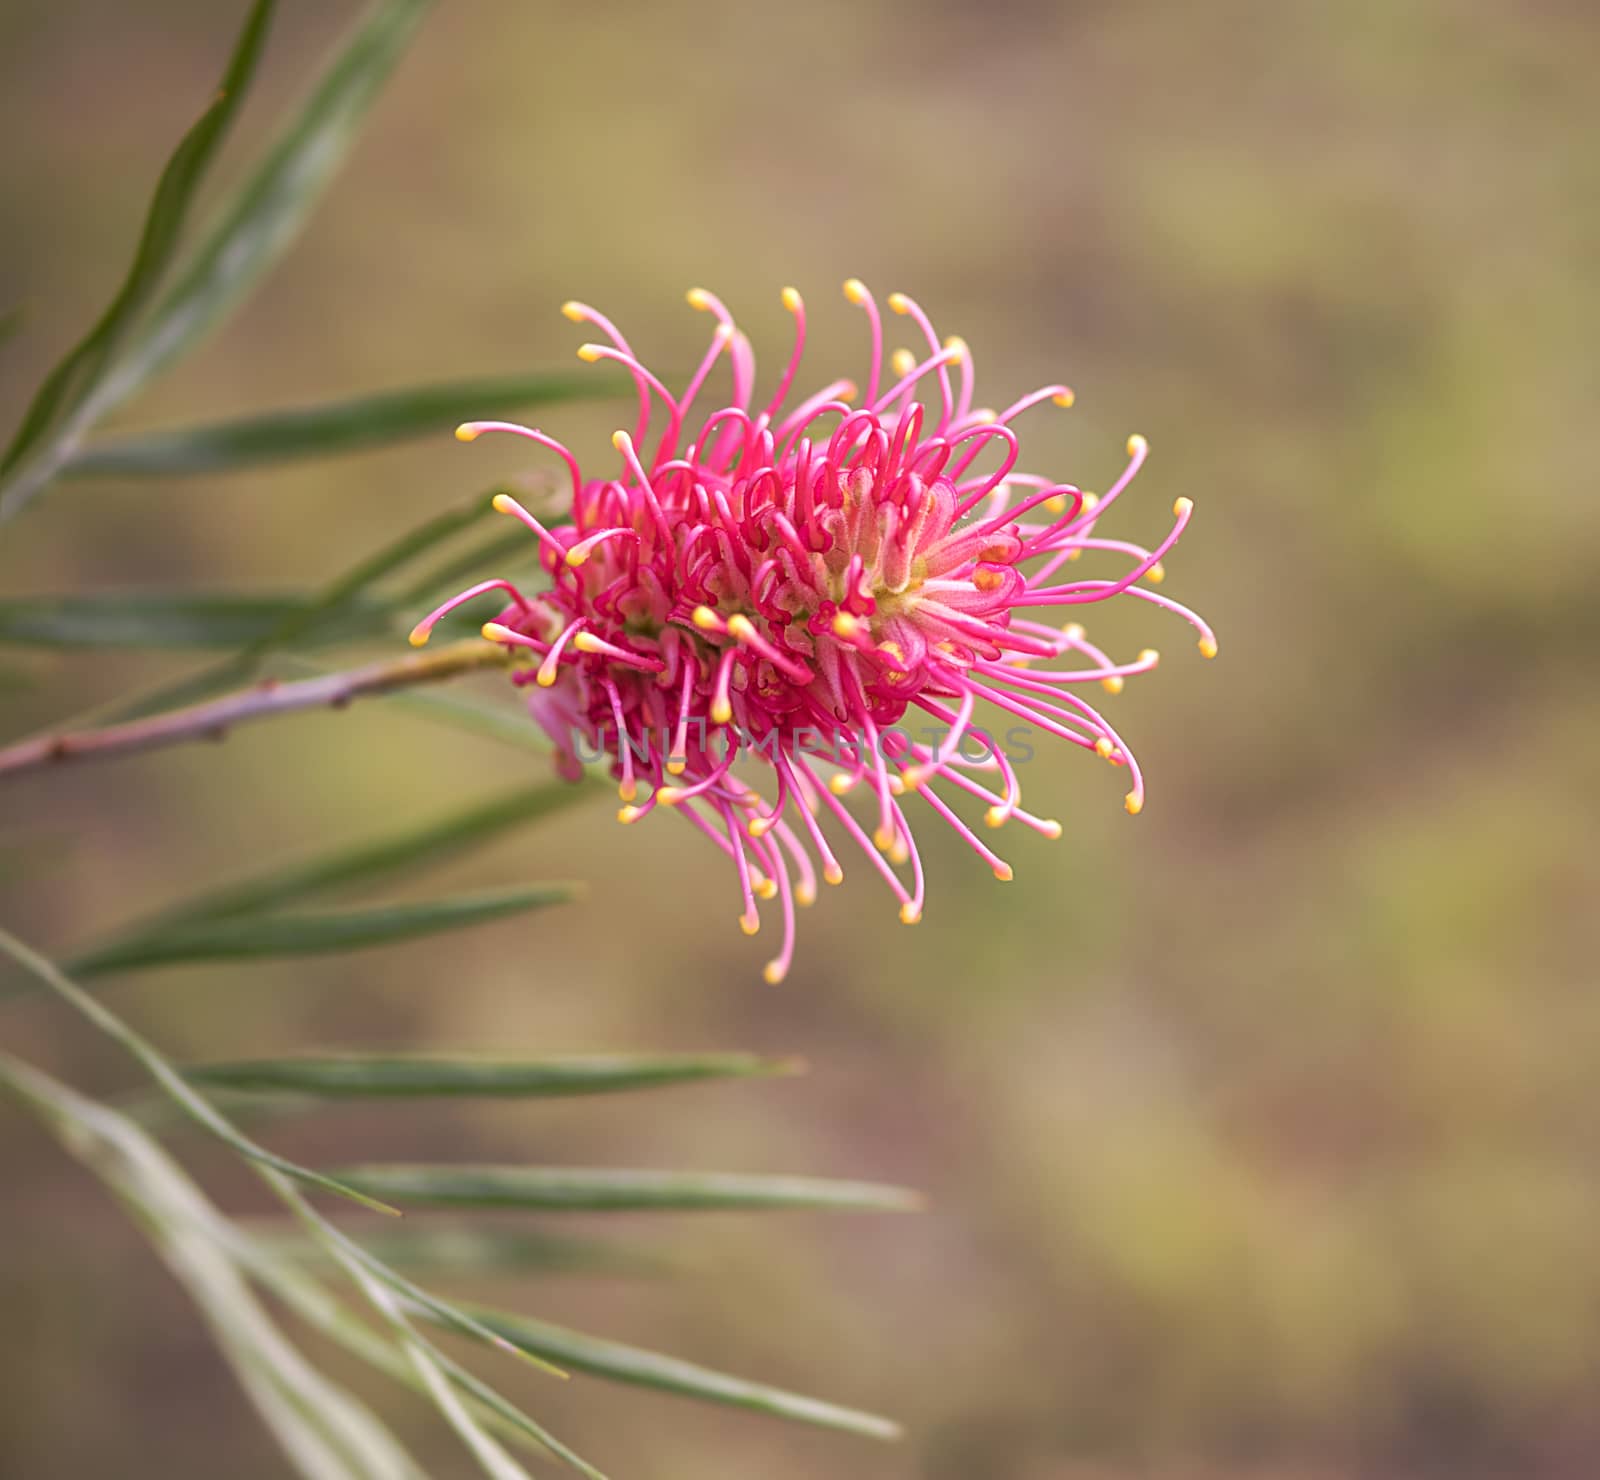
[822,595]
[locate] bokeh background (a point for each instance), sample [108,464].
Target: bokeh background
[1262,1133]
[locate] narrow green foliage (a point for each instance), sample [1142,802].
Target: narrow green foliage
[74,380]
[607,1189]
[365,1077]
[327,611]
[462,1248]
[168,1078]
[154,619]
[320,1426]
[265,936]
[334,428]
[631,1364]
[385,859]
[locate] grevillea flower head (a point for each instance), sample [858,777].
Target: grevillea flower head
[818,596]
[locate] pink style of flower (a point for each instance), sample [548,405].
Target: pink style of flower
[781,586]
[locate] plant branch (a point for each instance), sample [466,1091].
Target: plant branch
[213,719]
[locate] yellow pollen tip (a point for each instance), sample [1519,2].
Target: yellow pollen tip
[766,889]
[677,765]
[621,440]
[1063,399]
[909,913]
[791,299]
[1112,685]
[996,816]
[840,783]
[741,626]
[1208,647]
[627,790]
[1056,505]
[805,895]
[1134,804]
[587,642]
[882,839]
[1137,445]
[773,973]
[704,618]
[1003,872]
[900,852]
[467,432]
[1103,747]
[1156,574]
[668,795]
[750,923]
[902,362]
[1050,828]
[545,678]
[420,635]
[958,347]
[589,353]
[503,503]
[849,391]
[845,626]
[911,778]
[625,815]
[1149,657]
[1182,507]
[833,874]
[899,303]
[1073,632]
[985,417]
[1090,501]
[573,310]
[758,827]
[897,787]
[577,555]
[494,631]
[721,711]
[855,290]
[698,298]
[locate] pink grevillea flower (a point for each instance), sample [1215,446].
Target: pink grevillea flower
[821,595]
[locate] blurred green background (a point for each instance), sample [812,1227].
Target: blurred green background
[1262,1132]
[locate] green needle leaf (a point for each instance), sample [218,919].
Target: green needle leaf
[73,381]
[606,1189]
[256,937]
[154,619]
[335,428]
[170,1080]
[631,1364]
[388,858]
[360,1076]
[252,233]
[474,1249]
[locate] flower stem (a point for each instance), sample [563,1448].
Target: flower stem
[213,719]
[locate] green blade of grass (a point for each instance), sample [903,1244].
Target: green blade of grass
[156,619]
[406,1076]
[631,1364]
[260,937]
[59,412]
[607,1189]
[328,430]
